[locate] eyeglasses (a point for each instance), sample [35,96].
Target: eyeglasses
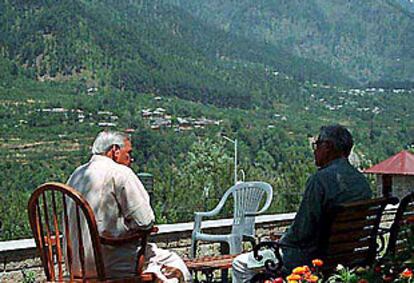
[316,144]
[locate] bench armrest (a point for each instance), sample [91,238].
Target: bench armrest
[270,265]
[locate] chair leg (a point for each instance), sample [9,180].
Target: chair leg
[235,246]
[209,276]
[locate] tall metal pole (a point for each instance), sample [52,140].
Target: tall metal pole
[235,156]
[235,161]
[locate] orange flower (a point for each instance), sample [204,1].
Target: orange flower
[301,270]
[294,277]
[293,281]
[317,262]
[407,273]
[312,279]
[307,274]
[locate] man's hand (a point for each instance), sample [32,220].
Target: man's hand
[172,272]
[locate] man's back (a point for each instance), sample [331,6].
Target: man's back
[338,182]
[120,204]
[341,182]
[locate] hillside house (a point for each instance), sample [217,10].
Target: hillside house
[395,175]
[106,124]
[146,113]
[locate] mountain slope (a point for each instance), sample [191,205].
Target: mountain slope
[368,40]
[147,46]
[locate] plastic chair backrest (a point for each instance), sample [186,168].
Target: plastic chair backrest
[247,197]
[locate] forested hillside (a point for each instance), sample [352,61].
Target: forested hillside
[48,127]
[369,40]
[69,69]
[148,46]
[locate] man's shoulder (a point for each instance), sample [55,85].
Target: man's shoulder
[325,173]
[111,169]
[121,170]
[341,166]
[338,172]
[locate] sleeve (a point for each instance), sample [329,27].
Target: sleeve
[135,203]
[308,218]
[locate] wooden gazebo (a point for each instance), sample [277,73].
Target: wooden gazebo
[395,175]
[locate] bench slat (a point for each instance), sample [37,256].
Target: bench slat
[210,262]
[349,236]
[352,226]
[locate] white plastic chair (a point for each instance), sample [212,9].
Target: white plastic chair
[247,197]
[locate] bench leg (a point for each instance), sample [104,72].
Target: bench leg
[224,250]
[194,274]
[209,276]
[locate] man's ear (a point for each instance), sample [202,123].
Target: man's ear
[113,152]
[116,151]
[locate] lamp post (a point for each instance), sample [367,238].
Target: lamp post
[235,156]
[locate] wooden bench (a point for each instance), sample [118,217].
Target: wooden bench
[208,264]
[351,235]
[349,238]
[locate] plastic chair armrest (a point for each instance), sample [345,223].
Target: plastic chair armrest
[213,212]
[198,216]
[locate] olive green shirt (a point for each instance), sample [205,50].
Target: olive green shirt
[337,182]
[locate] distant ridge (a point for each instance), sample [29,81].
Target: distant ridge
[150,46]
[369,40]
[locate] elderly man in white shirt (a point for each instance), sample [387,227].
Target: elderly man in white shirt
[121,205]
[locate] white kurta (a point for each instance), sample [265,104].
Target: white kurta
[121,205]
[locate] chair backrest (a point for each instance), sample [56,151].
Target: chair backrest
[401,242]
[247,197]
[50,222]
[351,235]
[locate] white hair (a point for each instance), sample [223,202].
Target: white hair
[106,139]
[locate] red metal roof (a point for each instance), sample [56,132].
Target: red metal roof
[400,164]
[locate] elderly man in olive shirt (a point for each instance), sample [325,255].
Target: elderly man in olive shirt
[336,182]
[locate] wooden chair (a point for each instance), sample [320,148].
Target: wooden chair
[401,241]
[349,237]
[49,220]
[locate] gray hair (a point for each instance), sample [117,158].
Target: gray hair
[340,137]
[106,139]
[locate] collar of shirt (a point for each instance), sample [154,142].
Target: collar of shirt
[100,158]
[337,161]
